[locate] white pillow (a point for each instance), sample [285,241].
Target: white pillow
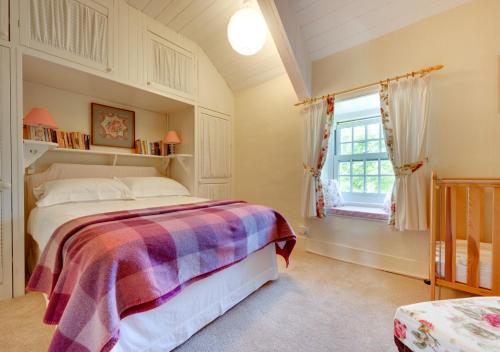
[80,190]
[142,187]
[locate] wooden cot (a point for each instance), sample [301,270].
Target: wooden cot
[465,210]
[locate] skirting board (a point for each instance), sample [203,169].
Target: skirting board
[381,261]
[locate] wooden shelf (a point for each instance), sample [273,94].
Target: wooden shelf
[33,150]
[115,155]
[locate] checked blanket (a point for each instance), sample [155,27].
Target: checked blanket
[100,268]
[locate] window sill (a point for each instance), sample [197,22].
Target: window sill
[360,212]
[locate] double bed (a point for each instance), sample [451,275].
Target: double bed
[166,325]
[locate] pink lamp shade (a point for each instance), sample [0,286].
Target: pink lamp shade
[39,117]
[171,137]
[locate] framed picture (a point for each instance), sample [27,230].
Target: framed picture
[112,127]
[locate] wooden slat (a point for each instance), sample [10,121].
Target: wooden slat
[475,205]
[495,237]
[434,226]
[463,287]
[449,242]
[451,230]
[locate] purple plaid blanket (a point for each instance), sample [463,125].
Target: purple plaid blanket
[100,268]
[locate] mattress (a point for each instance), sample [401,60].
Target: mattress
[456,325]
[169,325]
[485,262]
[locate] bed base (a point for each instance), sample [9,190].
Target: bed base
[466,209]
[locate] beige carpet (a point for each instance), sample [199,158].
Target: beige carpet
[318,304]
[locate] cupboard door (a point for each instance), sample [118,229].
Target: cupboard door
[215,191]
[81,31]
[215,146]
[4,19]
[170,68]
[5,178]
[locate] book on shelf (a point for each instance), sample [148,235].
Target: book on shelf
[150,148]
[69,140]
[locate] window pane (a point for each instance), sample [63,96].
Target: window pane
[358,184]
[345,183]
[345,134]
[372,184]
[386,167]
[373,131]
[372,147]
[345,168]
[386,183]
[372,167]
[359,148]
[358,168]
[382,146]
[346,148]
[359,133]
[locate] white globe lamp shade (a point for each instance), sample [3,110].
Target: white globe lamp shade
[247,31]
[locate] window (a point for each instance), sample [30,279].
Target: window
[360,163]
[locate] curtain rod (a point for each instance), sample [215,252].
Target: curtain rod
[422,72]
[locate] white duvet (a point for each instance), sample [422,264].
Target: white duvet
[44,221]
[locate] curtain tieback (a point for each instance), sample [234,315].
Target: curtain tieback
[408,169]
[312,171]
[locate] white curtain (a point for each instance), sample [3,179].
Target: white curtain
[72,26]
[317,124]
[405,111]
[172,68]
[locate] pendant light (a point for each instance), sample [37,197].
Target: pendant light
[247,31]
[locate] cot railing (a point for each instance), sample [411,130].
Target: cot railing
[458,211]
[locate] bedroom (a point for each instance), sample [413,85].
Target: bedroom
[203,124]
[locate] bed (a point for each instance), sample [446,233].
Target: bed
[166,325]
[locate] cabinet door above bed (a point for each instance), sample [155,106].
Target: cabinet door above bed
[81,31]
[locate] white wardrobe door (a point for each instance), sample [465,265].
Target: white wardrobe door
[215,191]
[5,178]
[4,19]
[215,147]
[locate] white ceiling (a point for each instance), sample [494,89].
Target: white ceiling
[324,28]
[330,26]
[205,22]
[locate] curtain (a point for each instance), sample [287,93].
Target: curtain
[405,109]
[318,119]
[72,26]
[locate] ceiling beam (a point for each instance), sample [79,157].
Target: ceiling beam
[284,28]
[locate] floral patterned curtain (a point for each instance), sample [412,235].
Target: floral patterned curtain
[318,119]
[404,110]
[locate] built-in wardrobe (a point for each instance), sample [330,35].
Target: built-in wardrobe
[104,50]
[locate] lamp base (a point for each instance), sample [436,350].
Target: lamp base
[171,149]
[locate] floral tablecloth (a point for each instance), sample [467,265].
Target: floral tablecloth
[457,325]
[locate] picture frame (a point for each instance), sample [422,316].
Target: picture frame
[112,127]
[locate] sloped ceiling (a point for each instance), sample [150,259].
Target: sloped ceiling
[205,22]
[330,26]
[310,30]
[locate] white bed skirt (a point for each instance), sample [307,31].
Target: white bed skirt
[171,324]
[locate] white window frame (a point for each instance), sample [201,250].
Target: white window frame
[352,119]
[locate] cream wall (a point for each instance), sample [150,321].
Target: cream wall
[464,130]
[465,120]
[268,147]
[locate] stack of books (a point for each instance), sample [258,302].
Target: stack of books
[70,140]
[150,148]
